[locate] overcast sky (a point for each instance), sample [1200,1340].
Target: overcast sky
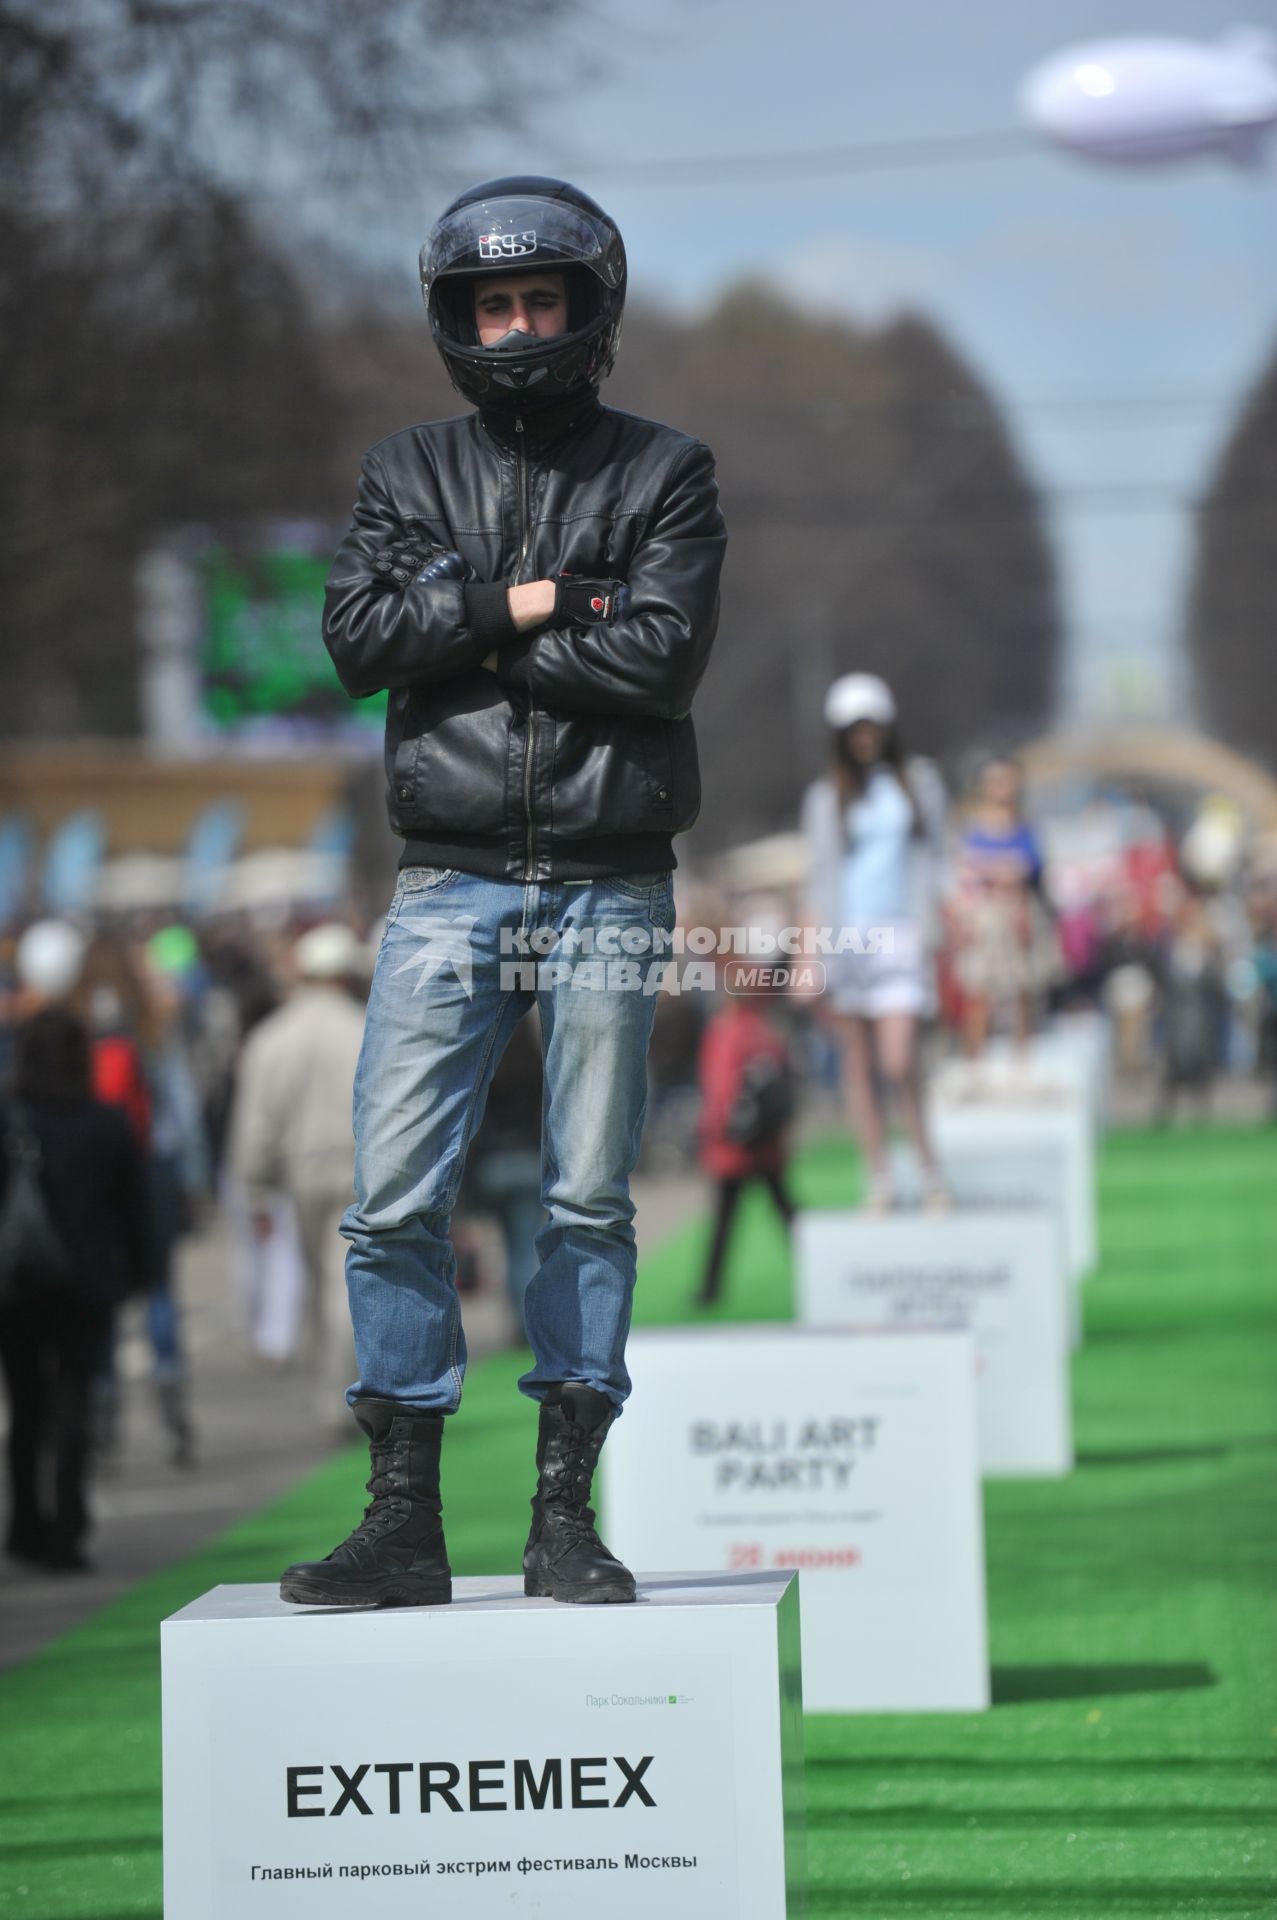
[1119,316]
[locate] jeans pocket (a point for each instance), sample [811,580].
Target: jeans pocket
[413,882]
[638,886]
[424,879]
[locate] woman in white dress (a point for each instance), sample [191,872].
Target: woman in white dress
[874,827]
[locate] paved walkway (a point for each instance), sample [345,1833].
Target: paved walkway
[258,1431]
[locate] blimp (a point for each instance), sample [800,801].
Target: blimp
[1142,102]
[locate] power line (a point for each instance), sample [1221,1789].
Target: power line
[879,156]
[1127,402]
[862,157]
[972,412]
[1119,498]
[709,169]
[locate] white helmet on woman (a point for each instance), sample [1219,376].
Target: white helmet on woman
[859,696]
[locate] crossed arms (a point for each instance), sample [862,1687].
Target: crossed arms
[646,659]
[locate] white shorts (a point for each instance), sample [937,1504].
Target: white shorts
[900,980]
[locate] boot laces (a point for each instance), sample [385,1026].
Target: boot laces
[379,1513]
[566,1494]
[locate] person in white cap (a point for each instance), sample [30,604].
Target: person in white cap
[291,1132]
[48,961]
[874,826]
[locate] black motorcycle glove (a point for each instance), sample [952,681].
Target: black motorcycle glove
[587,603]
[415,556]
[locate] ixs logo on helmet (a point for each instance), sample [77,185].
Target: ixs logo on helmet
[507,246]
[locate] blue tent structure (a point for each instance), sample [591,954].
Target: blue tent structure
[16,844]
[72,862]
[211,845]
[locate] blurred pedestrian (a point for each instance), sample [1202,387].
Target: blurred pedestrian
[1193,1008]
[1263,920]
[60,966]
[111,998]
[48,962]
[1130,957]
[673,1098]
[874,827]
[503,1172]
[1006,951]
[747,1101]
[89,1174]
[291,1133]
[270,1272]
[179,1172]
[237,990]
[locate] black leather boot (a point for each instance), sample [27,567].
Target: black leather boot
[396,1556]
[564,1558]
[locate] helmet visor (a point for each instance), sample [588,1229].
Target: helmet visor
[521,233]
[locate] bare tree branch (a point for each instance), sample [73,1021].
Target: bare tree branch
[163,354]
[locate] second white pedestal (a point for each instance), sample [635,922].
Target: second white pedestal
[1069,1057]
[1004,1152]
[851,1457]
[998,1273]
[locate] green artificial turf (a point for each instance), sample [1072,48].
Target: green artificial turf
[1129,1764]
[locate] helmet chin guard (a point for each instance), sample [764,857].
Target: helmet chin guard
[522,225]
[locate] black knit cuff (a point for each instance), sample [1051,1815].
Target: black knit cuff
[488,613]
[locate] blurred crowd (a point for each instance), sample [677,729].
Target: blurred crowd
[158,1073]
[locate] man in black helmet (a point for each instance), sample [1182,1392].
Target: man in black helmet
[537,586]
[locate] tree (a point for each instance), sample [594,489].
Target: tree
[160,340]
[1232,621]
[879,519]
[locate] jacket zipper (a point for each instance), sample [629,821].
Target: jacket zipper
[525,534]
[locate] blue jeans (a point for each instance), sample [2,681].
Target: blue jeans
[458,967]
[509,1181]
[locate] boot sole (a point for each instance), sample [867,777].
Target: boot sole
[395,1593]
[588,1595]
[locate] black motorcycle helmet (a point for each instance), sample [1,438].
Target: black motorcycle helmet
[519,225]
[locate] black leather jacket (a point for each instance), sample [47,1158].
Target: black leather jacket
[576,756]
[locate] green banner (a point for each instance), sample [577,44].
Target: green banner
[264,666]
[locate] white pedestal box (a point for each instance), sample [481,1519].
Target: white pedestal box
[851,1456]
[497,1756]
[1088,1034]
[998,1273]
[1069,1058]
[1025,1179]
[1000,1152]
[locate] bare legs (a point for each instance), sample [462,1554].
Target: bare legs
[880,1061]
[975,1025]
[977,1021]
[860,1093]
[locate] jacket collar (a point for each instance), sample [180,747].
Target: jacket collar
[542,425]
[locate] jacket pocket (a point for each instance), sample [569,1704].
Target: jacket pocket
[449,774]
[610,776]
[401,773]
